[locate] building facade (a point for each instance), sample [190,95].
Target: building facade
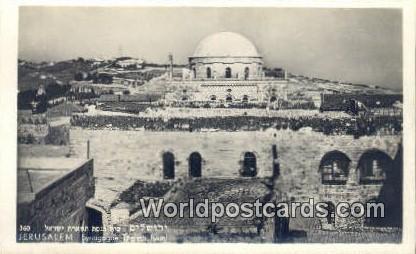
[225,68]
[226,55]
[53,193]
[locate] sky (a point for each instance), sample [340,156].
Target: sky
[352,45]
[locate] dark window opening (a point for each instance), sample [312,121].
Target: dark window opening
[229,98]
[228,73]
[195,164]
[246,73]
[95,220]
[213,97]
[249,165]
[245,98]
[168,165]
[273,99]
[373,167]
[208,72]
[334,168]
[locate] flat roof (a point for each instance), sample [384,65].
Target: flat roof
[49,163]
[37,173]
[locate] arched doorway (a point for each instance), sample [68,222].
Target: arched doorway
[208,72]
[195,164]
[246,73]
[95,220]
[168,165]
[249,165]
[228,73]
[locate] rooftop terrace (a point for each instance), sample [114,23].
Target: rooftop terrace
[36,174]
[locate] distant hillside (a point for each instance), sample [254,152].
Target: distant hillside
[31,75]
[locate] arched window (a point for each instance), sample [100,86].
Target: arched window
[249,165]
[273,99]
[334,168]
[228,73]
[208,72]
[228,98]
[213,97]
[195,164]
[168,165]
[246,73]
[373,167]
[245,98]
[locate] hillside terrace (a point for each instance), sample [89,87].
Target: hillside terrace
[357,126]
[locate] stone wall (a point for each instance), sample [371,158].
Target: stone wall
[218,66]
[139,154]
[300,177]
[61,203]
[300,155]
[203,90]
[44,134]
[32,133]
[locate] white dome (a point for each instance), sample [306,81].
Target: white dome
[225,44]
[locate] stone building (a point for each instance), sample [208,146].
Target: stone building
[340,169]
[226,68]
[226,55]
[52,199]
[42,129]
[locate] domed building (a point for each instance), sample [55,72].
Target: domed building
[225,67]
[226,55]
